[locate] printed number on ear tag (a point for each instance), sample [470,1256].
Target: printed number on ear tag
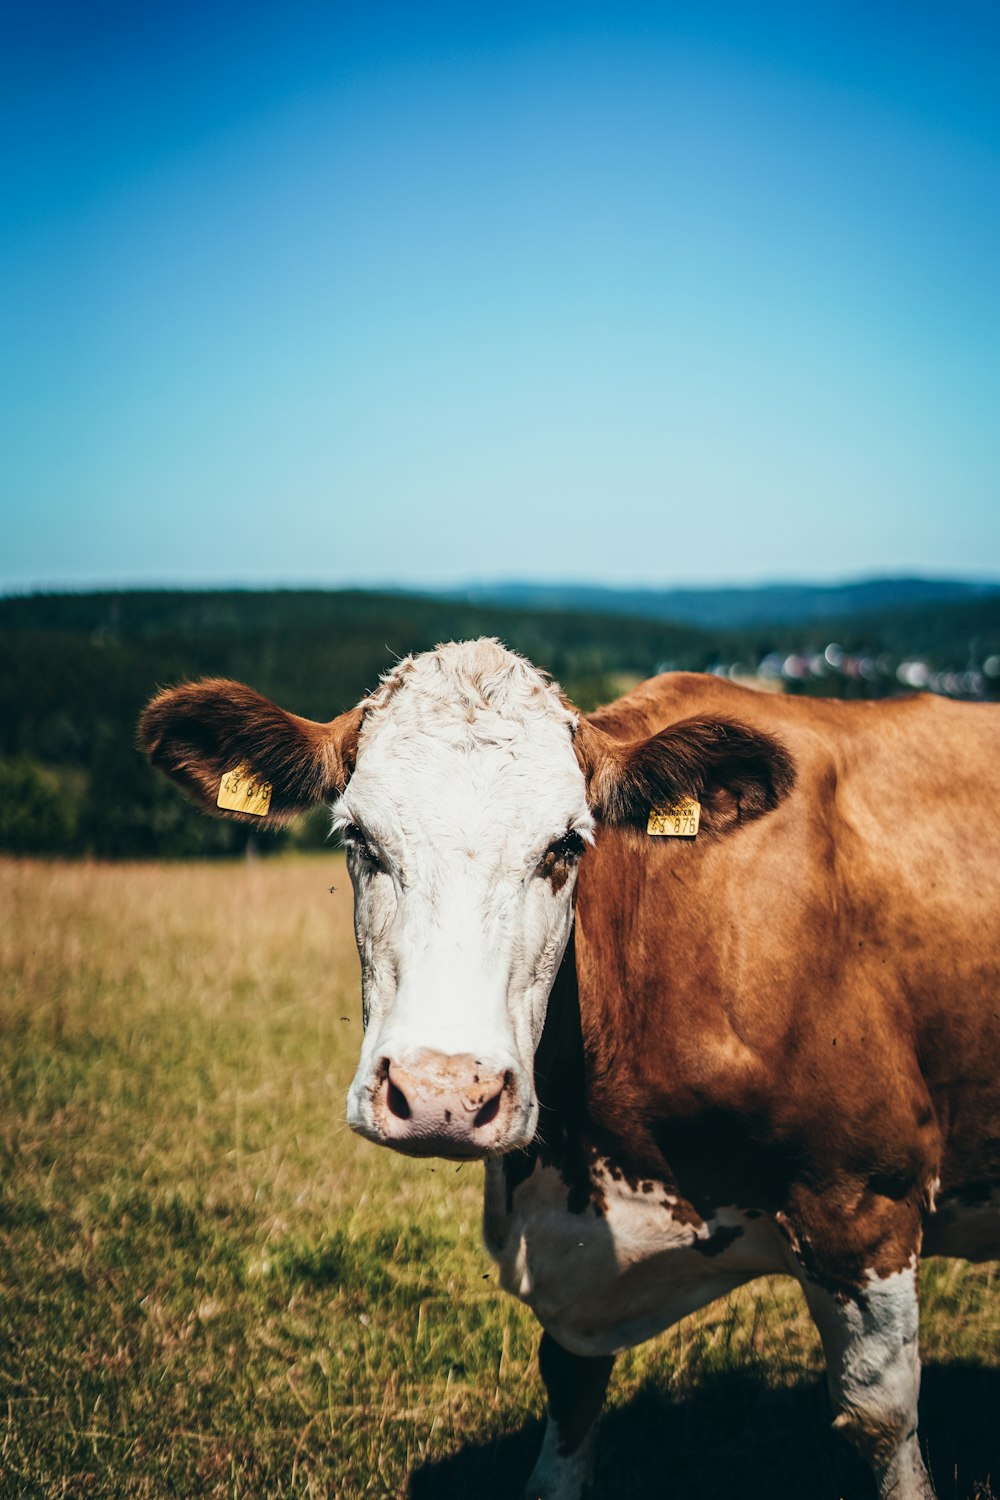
[240,791]
[679,821]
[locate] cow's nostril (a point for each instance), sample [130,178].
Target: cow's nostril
[489,1111]
[397,1101]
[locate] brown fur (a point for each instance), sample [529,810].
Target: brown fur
[874,1434]
[799,1017]
[556,866]
[196,733]
[735,772]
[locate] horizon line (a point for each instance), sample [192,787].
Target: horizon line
[39,587]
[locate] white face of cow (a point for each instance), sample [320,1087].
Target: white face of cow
[464,820]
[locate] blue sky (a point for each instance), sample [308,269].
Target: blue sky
[422,293]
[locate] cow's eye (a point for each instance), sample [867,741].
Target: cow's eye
[353,839]
[566,850]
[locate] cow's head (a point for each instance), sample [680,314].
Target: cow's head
[466,790]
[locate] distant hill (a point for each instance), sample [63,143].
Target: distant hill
[76,669]
[732,608]
[316,650]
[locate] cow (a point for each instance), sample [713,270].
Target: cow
[709,979]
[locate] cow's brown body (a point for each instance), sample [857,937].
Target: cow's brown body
[806,1018]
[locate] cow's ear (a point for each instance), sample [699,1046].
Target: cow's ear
[736,773]
[240,756]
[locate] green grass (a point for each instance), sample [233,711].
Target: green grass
[209,1287]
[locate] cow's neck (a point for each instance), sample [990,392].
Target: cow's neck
[573,1135]
[596,1106]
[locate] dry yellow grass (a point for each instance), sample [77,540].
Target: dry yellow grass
[208,1286]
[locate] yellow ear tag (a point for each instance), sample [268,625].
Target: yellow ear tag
[680,821]
[240,792]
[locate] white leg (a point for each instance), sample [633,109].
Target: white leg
[575,1388]
[558,1475]
[873,1368]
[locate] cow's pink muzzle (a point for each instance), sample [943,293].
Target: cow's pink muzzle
[442,1104]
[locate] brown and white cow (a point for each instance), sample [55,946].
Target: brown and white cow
[687,1061]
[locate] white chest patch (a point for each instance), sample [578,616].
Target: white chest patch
[630,1263]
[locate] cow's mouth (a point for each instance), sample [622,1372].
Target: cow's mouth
[443,1150]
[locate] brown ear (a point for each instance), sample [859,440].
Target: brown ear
[735,772]
[197,733]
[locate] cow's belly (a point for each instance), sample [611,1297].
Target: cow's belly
[627,1265]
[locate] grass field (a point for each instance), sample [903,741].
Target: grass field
[209,1287]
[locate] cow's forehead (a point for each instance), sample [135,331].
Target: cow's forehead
[457,738]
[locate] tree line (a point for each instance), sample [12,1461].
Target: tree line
[76,670]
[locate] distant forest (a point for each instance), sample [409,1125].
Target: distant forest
[76,670]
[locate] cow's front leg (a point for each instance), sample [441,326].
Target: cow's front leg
[870,1340]
[575,1386]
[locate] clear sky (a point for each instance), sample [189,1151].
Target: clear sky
[370,292]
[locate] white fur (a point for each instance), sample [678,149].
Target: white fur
[465,775]
[600,1282]
[561,1476]
[873,1370]
[603,1280]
